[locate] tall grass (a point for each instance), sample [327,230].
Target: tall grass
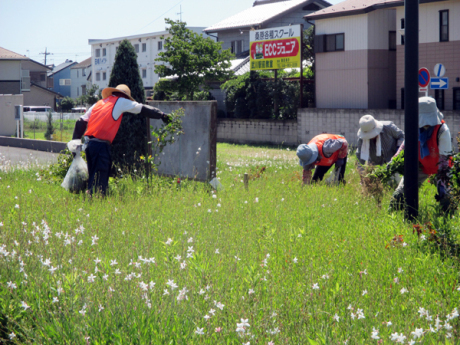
[169,263]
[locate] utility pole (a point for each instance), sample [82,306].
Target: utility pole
[411,93]
[180,12]
[46,54]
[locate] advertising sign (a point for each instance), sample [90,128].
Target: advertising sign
[275,48]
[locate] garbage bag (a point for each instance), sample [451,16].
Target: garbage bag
[77,175]
[73,145]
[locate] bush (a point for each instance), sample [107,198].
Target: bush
[67,104]
[49,126]
[252,96]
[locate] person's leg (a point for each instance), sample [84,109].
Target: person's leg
[91,152]
[320,171]
[397,201]
[342,170]
[104,171]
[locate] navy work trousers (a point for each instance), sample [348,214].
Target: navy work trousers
[99,164]
[320,171]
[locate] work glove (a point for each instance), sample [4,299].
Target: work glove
[166,118]
[339,162]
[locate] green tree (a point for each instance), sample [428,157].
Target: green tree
[49,126]
[193,59]
[91,96]
[67,104]
[131,140]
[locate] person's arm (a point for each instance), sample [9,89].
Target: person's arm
[396,133]
[81,124]
[306,177]
[343,152]
[124,105]
[360,162]
[445,150]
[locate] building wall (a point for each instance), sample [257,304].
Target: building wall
[37,96]
[64,90]
[10,70]
[364,74]
[146,60]
[7,113]
[78,80]
[10,87]
[250,131]
[431,51]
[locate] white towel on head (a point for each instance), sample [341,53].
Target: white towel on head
[366,146]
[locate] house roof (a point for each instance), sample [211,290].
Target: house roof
[45,89]
[61,66]
[6,54]
[260,13]
[83,64]
[353,7]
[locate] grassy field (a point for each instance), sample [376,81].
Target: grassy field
[165,263]
[36,130]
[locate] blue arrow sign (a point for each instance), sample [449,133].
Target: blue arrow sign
[439,83]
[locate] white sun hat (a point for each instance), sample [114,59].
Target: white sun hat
[369,127]
[428,113]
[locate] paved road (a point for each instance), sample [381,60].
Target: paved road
[13,156]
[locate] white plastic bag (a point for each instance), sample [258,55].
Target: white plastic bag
[215,183]
[77,175]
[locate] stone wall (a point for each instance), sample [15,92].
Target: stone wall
[248,131]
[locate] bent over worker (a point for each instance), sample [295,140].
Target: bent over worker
[435,147]
[101,123]
[323,151]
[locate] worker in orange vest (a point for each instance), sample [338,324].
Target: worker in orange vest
[101,123]
[323,151]
[435,147]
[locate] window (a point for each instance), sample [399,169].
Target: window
[144,47]
[98,53]
[444,26]
[77,74]
[104,75]
[83,72]
[98,76]
[144,73]
[439,97]
[402,98]
[237,47]
[402,23]
[43,77]
[392,40]
[83,89]
[335,42]
[78,91]
[136,48]
[456,98]
[402,40]
[104,51]
[64,82]
[160,45]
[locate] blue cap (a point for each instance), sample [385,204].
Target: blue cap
[307,154]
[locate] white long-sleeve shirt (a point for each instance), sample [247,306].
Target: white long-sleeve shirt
[123,105]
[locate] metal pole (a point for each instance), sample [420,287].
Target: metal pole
[411,66]
[301,65]
[275,101]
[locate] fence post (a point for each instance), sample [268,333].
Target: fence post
[246,181]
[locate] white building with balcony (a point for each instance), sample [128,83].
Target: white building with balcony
[147,47]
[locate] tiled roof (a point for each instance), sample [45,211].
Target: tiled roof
[83,64]
[257,15]
[351,7]
[61,66]
[9,55]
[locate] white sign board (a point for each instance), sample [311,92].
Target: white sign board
[439,70]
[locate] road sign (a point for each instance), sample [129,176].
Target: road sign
[439,70]
[423,77]
[439,83]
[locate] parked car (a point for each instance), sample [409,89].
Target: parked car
[79,110]
[37,109]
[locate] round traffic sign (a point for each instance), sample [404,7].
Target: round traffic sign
[439,70]
[423,77]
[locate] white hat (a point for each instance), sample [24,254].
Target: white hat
[307,154]
[369,127]
[428,113]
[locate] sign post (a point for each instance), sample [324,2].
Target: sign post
[411,77]
[424,80]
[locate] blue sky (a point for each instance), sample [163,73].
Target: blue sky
[64,26]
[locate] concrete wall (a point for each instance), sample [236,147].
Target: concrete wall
[312,122]
[249,131]
[193,155]
[31,144]
[7,112]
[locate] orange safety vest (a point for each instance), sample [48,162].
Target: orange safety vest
[101,124]
[319,142]
[430,163]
